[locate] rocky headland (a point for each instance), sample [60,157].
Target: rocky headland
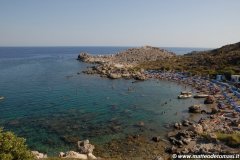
[124,64]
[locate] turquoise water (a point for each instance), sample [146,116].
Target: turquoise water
[52,106]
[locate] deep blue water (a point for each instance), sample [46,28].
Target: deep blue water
[49,104]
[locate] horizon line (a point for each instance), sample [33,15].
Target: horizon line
[106,46]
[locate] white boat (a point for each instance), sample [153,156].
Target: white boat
[200,96]
[1,97]
[183,96]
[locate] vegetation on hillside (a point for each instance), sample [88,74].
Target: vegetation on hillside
[13,147]
[225,60]
[232,140]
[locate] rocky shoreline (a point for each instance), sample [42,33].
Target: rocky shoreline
[213,133]
[216,132]
[124,64]
[84,152]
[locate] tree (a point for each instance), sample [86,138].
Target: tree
[13,147]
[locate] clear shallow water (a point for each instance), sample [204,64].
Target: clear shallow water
[48,103]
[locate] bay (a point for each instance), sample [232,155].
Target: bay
[52,106]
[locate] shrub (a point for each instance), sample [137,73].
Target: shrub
[13,147]
[232,140]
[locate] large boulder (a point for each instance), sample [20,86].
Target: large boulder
[85,147]
[114,75]
[76,155]
[140,77]
[177,125]
[197,128]
[85,151]
[184,134]
[72,154]
[194,109]
[39,155]
[209,100]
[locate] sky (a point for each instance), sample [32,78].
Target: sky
[163,23]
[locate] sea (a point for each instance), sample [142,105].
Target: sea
[51,103]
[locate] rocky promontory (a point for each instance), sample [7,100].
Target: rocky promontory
[124,64]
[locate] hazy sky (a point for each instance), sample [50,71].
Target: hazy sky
[165,23]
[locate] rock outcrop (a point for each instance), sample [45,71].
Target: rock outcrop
[194,109]
[198,129]
[39,155]
[209,100]
[122,65]
[85,147]
[85,151]
[73,154]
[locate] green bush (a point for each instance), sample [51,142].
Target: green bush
[13,147]
[232,140]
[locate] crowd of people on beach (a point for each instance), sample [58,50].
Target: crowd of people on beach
[225,93]
[224,117]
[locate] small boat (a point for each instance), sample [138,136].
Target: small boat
[200,96]
[1,97]
[183,96]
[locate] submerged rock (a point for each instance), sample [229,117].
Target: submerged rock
[140,124]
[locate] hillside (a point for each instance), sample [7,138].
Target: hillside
[146,53]
[131,56]
[124,64]
[224,60]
